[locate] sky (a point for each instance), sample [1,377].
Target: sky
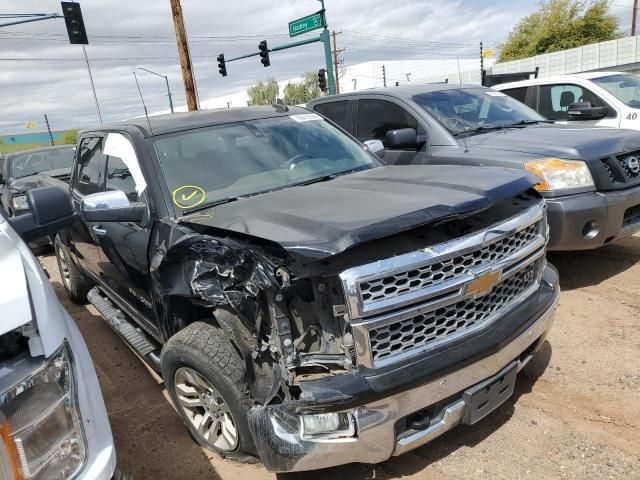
[41,73]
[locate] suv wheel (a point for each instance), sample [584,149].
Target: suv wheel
[205,378]
[74,282]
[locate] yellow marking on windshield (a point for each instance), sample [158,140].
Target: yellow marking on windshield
[188,196]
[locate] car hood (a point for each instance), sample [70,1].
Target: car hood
[326,218]
[24,184]
[551,140]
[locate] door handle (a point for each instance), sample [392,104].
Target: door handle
[99,231]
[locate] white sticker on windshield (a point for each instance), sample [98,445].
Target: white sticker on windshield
[496,94]
[117,145]
[306,117]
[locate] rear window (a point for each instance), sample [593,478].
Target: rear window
[519,94]
[335,111]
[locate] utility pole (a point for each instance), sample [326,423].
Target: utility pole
[46,120]
[633,19]
[384,76]
[185,58]
[335,58]
[482,65]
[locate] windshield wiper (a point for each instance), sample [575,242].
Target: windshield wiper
[486,128]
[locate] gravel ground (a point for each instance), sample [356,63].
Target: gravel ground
[575,413]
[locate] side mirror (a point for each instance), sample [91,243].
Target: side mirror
[375,146]
[112,206]
[401,138]
[584,111]
[51,210]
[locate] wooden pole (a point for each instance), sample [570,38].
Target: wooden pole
[633,19]
[185,58]
[335,60]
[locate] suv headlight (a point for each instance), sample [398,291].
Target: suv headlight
[20,202]
[557,174]
[41,430]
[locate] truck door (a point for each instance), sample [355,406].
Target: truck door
[123,246]
[376,117]
[87,179]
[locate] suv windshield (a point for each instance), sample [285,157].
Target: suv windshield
[624,87]
[23,165]
[472,110]
[217,164]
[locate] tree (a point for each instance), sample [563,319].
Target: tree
[301,92]
[558,25]
[263,93]
[70,137]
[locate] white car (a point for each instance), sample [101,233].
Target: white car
[53,421]
[603,99]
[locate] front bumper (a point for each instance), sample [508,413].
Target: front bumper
[591,220]
[276,432]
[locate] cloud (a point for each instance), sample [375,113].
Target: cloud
[52,77]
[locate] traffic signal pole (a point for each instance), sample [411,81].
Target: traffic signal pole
[324,37]
[27,18]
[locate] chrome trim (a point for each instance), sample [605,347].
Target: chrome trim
[451,417]
[352,277]
[377,440]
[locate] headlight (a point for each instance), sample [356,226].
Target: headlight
[557,174]
[327,426]
[20,202]
[41,430]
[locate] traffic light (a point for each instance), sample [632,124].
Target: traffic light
[75,24]
[222,65]
[322,80]
[264,53]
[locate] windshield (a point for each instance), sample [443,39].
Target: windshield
[27,164]
[624,87]
[467,110]
[217,164]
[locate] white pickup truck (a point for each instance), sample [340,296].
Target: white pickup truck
[53,421]
[603,99]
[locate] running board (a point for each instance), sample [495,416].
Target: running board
[117,320]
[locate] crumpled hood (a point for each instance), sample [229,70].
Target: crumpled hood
[326,218]
[563,141]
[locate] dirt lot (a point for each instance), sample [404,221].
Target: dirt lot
[575,414]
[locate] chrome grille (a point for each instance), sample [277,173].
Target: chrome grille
[445,322]
[436,273]
[405,305]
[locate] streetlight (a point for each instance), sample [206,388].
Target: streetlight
[166,79]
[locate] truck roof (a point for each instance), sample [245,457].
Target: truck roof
[558,78]
[403,91]
[177,122]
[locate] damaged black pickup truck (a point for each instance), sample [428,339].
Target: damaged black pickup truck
[304,302]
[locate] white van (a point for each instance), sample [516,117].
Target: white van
[603,99]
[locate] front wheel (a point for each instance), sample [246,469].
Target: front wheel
[74,282]
[205,378]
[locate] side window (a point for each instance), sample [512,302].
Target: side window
[519,94]
[336,111]
[122,167]
[554,100]
[87,173]
[377,117]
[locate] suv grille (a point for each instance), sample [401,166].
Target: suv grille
[620,171]
[423,329]
[436,273]
[410,303]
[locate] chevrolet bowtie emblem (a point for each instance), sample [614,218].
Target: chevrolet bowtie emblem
[484,283]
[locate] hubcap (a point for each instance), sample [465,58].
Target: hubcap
[205,408]
[64,268]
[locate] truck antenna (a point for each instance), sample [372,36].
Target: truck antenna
[146,113]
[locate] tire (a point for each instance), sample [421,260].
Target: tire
[74,282]
[204,374]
